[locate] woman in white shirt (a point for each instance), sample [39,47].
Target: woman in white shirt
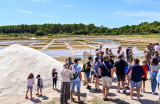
[65,85]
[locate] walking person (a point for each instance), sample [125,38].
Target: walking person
[30,83]
[158,80]
[106,72]
[120,65]
[76,81]
[65,85]
[136,78]
[55,78]
[88,71]
[154,71]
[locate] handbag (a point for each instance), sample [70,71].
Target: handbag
[130,74]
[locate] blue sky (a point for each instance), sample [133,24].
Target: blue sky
[110,13]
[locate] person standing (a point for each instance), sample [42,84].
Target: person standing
[128,54]
[120,65]
[39,85]
[30,83]
[106,72]
[154,71]
[55,78]
[148,54]
[136,78]
[76,81]
[88,71]
[65,85]
[119,49]
[97,76]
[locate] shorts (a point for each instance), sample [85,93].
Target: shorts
[40,87]
[92,72]
[96,76]
[135,84]
[30,87]
[106,81]
[121,77]
[76,83]
[144,79]
[87,74]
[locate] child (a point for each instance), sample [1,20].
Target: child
[39,85]
[30,82]
[55,77]
[144,78]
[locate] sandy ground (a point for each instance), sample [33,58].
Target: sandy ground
[51,96]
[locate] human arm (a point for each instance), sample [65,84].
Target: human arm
[80,75]
[112,72]
[99,70]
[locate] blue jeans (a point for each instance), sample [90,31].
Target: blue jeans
[153,83]
[76,83]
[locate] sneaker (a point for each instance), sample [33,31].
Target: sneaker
[118,91]
[131,98]
[89,88]
[138,99]
[124,91]
[26,97]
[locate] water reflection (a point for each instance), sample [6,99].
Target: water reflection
[58,53]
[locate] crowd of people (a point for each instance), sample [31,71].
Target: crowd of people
[100,69]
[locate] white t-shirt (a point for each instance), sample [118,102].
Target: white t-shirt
[155,68]
[66,74]
[30,82]
[157,48]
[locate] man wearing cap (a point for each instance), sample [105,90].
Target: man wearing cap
[148,53]
[70,61]
[106,72]
[76,82]
[120,65]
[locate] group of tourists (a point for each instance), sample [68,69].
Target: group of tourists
[100,69]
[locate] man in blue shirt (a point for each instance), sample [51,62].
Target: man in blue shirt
[76,81]
[106,72]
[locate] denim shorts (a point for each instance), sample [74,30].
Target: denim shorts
[30,87]
[135,84]
[40,87]
[87,74]
[76,83]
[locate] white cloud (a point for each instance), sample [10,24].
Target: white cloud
[24,11]
[35,14]
[69,5]
[42,1]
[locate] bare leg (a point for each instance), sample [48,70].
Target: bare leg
[143,85]
[103,89]
[87,80]
[138,92]
[123,84]
[118,85]
[106,92]
[38,91]
[131,91]
[98,82]
[31,93]
[41,92]
[71,94]
[78,94]
[27,92]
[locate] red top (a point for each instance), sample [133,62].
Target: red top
[145,68]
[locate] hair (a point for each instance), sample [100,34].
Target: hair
[157,43]
[144,61]
[155,61]
[30,76]
[101,52]
[54,69]
[136,60]
[107,49]
[90,57]
[110,50]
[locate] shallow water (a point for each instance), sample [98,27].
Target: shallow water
[21,41]
[58,53]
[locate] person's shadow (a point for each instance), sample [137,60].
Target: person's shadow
[36,100]
[44,97]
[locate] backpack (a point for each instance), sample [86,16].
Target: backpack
[84,67]
[125,68]
[74,75]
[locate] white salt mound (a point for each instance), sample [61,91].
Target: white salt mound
[17,62]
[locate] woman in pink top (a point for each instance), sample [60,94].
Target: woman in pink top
[30,82]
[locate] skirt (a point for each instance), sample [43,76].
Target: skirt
[65,92]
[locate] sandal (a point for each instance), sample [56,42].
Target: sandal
[105,99]
[26,97]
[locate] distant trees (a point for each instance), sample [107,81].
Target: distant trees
[80,29]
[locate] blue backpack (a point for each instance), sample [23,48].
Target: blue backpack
[125,68]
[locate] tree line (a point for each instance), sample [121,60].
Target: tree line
[81,29]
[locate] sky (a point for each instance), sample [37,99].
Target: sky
[109,13]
